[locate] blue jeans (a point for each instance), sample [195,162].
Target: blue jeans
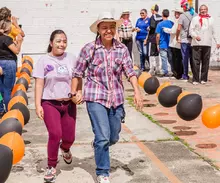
[106,126]
[164,60]
[142,49]
[7,81]
[186,51]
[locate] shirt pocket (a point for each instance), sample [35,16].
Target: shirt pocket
[117,68]
[97,67]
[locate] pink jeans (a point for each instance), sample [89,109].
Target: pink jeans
[60,120]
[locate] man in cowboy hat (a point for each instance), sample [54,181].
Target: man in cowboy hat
[106,59]
[175,56]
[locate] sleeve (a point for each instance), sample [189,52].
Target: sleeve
[82,62]
[158,29]
[215,37]
[38,71]
[192,27]
[8,41]
[127,65]
[181,18]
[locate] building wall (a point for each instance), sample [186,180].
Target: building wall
[40,17]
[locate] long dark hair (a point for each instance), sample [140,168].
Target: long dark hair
[52,36]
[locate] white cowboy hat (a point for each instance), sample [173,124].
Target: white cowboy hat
[125,12]
[178,10]
[104,17]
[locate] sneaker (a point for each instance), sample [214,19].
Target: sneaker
[195,83]
[50,175]
[103,179]
[67,156]
[203,82]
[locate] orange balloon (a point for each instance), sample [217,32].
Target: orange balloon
[16,99]
[211,117]
[16,143]
[167,83]
[183,94]
[25,65]
[142,78]
[15,113]
[25,76]
[136,67]
[18,72]
[27,58]
[18,87]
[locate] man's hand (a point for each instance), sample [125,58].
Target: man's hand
[218,46]
[78,99]
[137,29]
[1,71]
[198,38]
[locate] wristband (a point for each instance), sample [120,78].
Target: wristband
[70,95]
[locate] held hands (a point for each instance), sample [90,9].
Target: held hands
[138,100]
[40,112]
[137,29]
[78,99]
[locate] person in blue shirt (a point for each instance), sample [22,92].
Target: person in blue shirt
[142,25]
[163,40]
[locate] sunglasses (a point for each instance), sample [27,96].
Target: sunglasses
[141,13]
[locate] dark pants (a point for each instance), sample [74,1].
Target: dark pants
[129,44]
[175,60]
[60,120]
[186,51]
[7,81]
[201,56]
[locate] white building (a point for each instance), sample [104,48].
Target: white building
[40,17]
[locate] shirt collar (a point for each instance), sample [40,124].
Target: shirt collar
[116,44]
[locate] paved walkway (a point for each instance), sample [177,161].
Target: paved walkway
[145,153]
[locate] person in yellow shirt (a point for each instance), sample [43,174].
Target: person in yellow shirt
[5,14]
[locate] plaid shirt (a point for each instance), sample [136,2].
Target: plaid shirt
[104,75]
[125,31]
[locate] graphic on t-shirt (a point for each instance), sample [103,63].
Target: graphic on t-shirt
[62,70]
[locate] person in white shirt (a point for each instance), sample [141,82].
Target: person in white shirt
[175,56]
[202,31]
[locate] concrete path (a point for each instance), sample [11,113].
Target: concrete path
[146,153]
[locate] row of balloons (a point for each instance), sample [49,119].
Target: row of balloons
[12,146]
[188,105]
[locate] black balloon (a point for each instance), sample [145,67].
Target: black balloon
[23,81]
[6,159]
[10,125]
[26,71]
[151,85]
[21,93]
[24,110]
[28,62]
[189,107]
[168,95]
[137,72]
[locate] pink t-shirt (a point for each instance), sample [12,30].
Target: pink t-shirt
[57,74]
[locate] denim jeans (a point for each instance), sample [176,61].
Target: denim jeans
[106,126]
[142,49]
[7,81]
[186,51]
[165,62]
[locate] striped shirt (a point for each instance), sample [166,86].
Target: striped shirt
[104,75]
[125,31]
